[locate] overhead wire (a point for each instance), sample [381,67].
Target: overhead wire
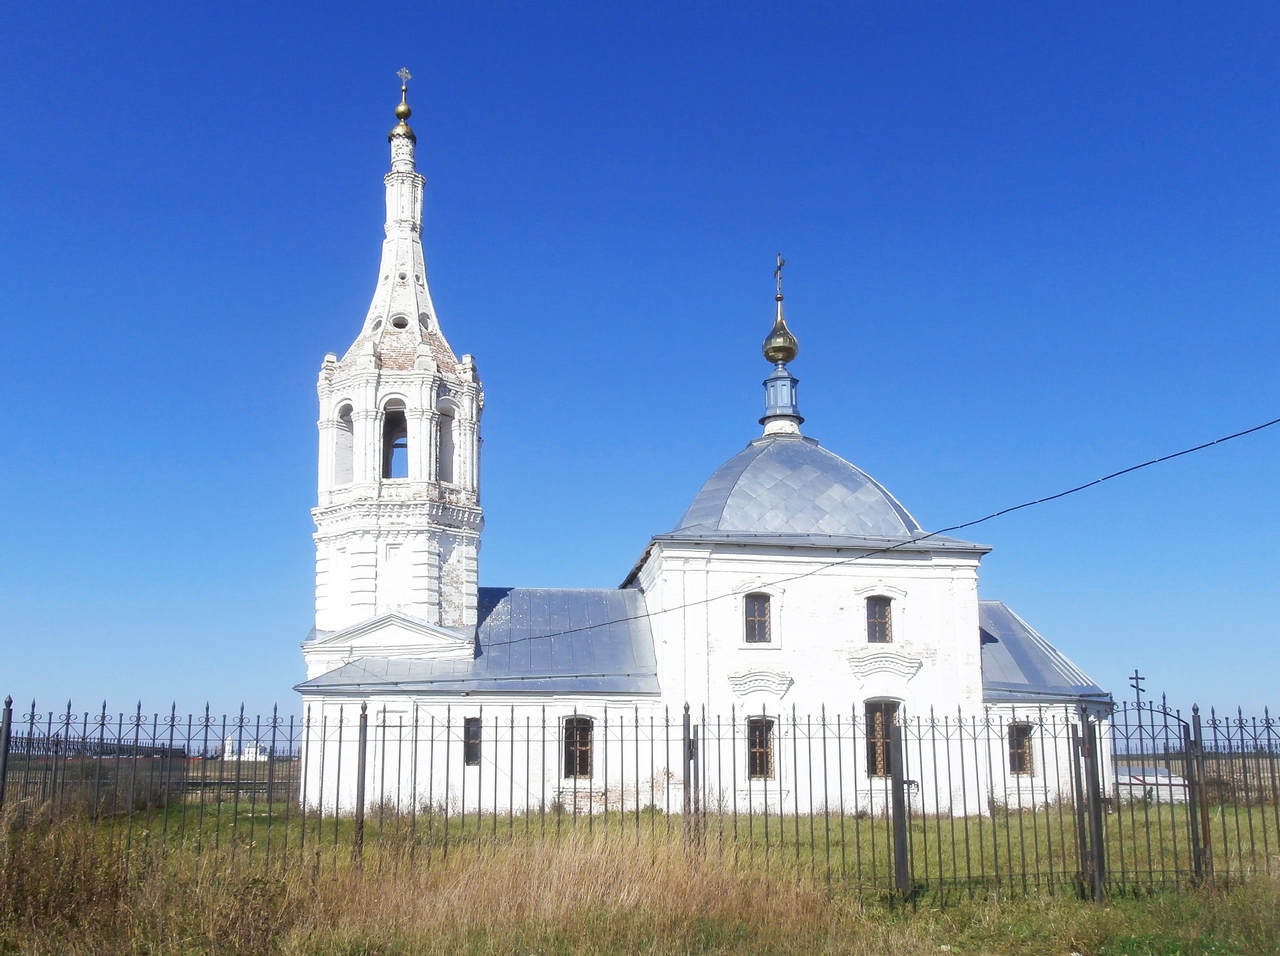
[906,542]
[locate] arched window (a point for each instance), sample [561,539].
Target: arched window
[445,445]
[881,716]
[879,621]
[344,448]
[578,733]
[756,619]
[395,441]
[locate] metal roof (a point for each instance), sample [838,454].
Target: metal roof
[791,485]
[530,640]
[1020,665]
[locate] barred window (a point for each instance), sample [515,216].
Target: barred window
[1020,749]
[760,748]
[879,622]
[471,741]
[578,733]
[757,619]
[881,716]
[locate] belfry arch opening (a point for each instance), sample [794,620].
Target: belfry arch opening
[445,445]
[344,448]
[395,440]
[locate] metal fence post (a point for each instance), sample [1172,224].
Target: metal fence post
[6,722]
[1097,856]
[1193,800]
[901,860]
[686,753]
[1206,831]
[357,846]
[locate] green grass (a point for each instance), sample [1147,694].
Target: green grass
[65,888]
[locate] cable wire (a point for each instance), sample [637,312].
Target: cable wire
[908,542]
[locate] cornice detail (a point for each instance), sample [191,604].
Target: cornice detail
[864,663]
[776,683]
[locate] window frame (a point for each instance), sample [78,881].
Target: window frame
[879,740]
[879,624]
[392,409]
[575,753]
[1025,754]
[472,740]
[760,748]
[748,620]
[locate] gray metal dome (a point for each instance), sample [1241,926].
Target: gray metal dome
[792,485]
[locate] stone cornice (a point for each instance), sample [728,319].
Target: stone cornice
[865,661]
[776,683]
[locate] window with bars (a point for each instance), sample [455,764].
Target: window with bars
[757,619]
[879,620]
[578,734]
[471,742]
[760,748]
[1020,761]
[881,716]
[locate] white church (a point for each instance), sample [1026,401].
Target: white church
[794,584]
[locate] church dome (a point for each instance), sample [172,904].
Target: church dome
[790,485]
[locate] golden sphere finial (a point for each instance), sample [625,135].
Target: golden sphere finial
[780,347]
[402,108]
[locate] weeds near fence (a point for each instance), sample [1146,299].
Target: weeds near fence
[65,889]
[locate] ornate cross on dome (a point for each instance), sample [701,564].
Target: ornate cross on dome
[405,75]
[777,273]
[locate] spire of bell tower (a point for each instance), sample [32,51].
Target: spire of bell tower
[781,415]
[398,519]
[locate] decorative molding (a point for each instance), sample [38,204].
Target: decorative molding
[776,683]
[864,663]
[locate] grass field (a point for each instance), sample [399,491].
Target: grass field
[65,889]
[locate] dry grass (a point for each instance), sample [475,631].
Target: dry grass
[64,890]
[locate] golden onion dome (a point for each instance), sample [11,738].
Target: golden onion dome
[403,113]
[780,347]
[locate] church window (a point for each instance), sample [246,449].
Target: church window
[881,716]
[760,748]
[1020,749]
[400,322]
[879,621]
[471,741]
[757,619]
[578,733]
[344,448]
[395,441]
[445,446]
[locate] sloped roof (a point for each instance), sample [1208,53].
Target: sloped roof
[792,485]
[530,640]
[1020,665]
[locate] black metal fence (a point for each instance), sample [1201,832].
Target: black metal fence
[875,799]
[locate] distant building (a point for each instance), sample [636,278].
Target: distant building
[794,581]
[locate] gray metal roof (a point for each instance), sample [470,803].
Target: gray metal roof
[1020,665]
[530,640]
[792,485]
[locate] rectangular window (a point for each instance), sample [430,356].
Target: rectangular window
[578,732]
[881,716]
[471,741]
[879,623]
[757,619]
[760,748]
[1020,749]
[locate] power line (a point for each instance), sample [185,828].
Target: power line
[907,542]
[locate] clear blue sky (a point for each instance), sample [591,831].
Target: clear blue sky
[1027,245]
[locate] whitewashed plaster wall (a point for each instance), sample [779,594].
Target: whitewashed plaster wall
[819,656]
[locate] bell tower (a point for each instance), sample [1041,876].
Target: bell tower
[398,519]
